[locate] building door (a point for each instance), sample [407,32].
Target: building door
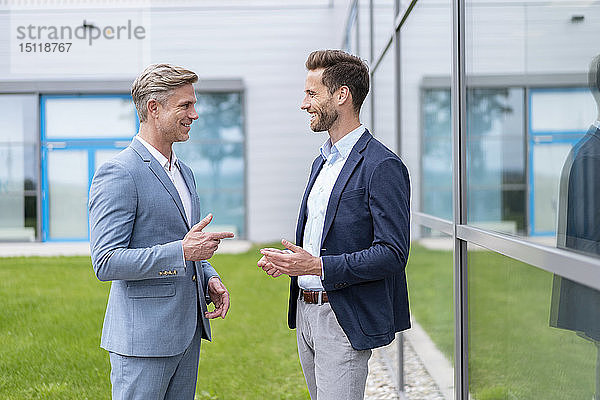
[78,134]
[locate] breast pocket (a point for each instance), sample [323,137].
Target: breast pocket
[353,206]
[349,194]
[153,290]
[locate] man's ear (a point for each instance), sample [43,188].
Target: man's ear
[152,108]
[344,95]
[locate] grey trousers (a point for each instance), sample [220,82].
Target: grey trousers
[156,378]
[332,368]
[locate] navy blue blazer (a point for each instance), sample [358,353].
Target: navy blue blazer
[365,244]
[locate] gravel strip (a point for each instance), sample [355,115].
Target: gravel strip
[381,382]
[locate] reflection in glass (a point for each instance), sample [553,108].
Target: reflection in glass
[364,31]
[68,193]
[430,286]
[426,124]
[513,352]
[383,24]
[384,112]
[351,39]
[496,179]
[542,49]
[496,159]
[215,152]
[436,159]
[575,307]
[559,118]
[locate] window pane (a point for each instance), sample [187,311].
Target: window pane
[18,166]
[430,287]
[532,335]
[383,24]
[68,193]
[78,117]
[364,30]
[496,159]
[426,126]
[351,44]
[529,70]
[215,152]
[436,160]
[385,106]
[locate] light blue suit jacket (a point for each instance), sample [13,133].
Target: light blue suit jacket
[137,223]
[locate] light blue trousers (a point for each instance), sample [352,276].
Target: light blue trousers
[156,378]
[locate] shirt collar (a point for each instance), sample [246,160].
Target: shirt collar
[162,160]
[342,146]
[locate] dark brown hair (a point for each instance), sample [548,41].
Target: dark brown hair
[342,69]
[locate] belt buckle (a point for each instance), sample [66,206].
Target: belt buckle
[320,300]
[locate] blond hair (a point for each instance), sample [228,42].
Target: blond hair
[157,82]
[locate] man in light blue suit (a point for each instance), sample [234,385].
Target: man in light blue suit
[145,238]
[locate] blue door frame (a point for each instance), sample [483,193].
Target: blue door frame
[90,145]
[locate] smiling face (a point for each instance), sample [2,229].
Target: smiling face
[177,114]
[318,102]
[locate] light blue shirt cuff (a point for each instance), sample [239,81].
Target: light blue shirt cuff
[183,258]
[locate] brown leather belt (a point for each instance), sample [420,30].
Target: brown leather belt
[312,297]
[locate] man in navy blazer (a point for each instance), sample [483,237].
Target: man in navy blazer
[348,290]
[145,237]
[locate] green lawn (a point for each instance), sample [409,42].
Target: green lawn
[51,312]
[513,352]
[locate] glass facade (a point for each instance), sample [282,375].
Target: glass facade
[528,339]
[494,109]
[430,280]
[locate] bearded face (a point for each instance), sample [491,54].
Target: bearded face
[323,116]
[319,102]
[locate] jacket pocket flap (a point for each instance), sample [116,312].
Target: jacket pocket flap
[352,193]
[155,290]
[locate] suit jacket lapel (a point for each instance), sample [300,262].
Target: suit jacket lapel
[160,173]
[354,158]
[317,165]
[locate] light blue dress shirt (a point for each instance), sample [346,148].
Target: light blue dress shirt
[335,157]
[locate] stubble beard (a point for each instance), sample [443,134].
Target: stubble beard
[325,118]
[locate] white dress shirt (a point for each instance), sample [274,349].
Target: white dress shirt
[175,175]
[335,157]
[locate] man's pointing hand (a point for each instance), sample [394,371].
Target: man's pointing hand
[199,245]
